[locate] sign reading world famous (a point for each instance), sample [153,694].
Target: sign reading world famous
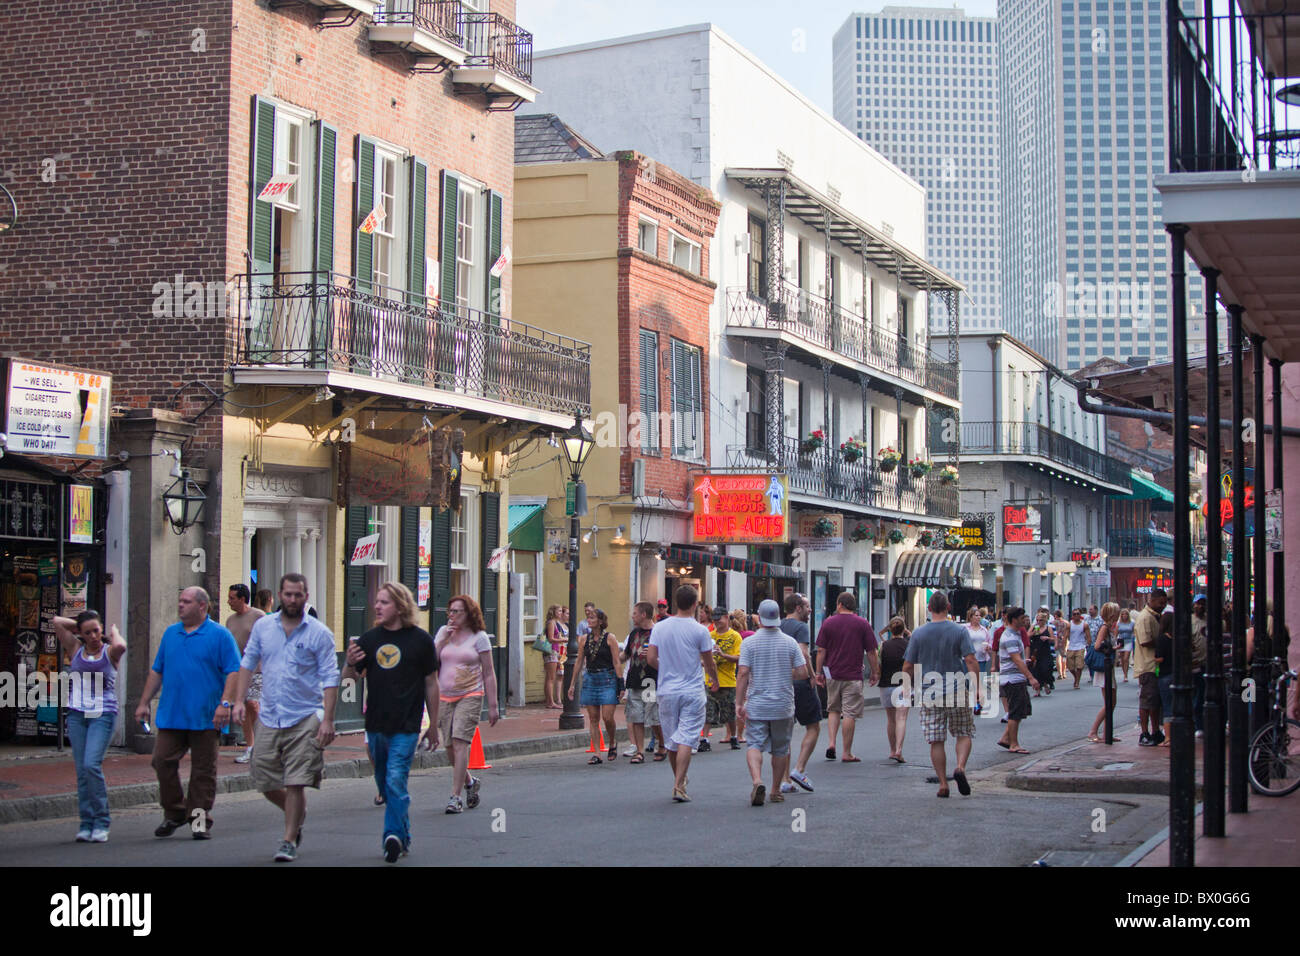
[50,410]
[740,509]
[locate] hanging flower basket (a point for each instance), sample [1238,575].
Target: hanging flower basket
[813,442]
[889,458]
[948,474]
[952,541]
[919,467]
[852,450]
[862,532]
[925,539]
[823,528]
[895,536]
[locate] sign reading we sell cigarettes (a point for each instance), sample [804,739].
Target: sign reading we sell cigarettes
[53,410]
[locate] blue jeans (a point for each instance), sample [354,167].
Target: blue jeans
[90,737]
[391,754]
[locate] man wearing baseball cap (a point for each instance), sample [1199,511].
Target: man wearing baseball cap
[661,610]
[770,663]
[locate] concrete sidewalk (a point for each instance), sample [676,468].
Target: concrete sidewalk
[1268,834]
[42,784]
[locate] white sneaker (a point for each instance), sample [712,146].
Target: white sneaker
[630,752]
[789,788]
[246,756]
[801,779]
[98,836]
[83,835]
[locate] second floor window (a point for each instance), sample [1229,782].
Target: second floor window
[684,253]
[688,402]
[754,281]
[648,390]
[647,237]
[386,189]
[756,409]
[467,249]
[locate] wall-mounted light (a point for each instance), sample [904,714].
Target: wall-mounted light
[184,501]
[618,536]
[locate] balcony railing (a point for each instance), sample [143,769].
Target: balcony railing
[442,18]
[497,43]
[1225,76]
[1140,543]
[1033,439]
[825,474]
[821,323]
[318,320]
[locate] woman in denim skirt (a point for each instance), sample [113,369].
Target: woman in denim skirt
[597,652]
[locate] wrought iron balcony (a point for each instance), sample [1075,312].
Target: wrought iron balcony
[825,474]
[1031,439]
[423,28]
[336,323]
[1140,543]
[500,61]
[1231,76]
[823,324]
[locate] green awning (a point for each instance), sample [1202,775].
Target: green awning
[1144,489]
[525,528]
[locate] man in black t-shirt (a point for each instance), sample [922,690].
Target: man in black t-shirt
[400,665]
[642,679]
[807,705]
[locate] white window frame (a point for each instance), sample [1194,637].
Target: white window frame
[529,563]
[644,222]
[390,233]
[300,201]
[693,256]
[469,565]
[471,243]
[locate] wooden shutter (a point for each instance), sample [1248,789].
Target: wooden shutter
[363,244]
[494,234]
[261,223]
[649,390]
[447,243]
[440,572]
[408,567]
[416,350]
[323,260]
[356,599]
[491,502]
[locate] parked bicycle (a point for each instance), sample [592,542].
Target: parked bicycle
[1274,763]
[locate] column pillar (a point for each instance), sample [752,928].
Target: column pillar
[1237,716]
[774,399]
[1260,668]
[309,565]
[248,554]
[322,582]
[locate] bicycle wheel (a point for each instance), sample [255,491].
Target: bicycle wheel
[1274,763]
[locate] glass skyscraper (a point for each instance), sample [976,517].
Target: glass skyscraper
[921,86]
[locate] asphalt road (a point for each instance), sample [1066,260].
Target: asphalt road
[555,810]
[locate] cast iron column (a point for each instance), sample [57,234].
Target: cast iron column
[1260,667]
[1239,734]
[1279,581]
[571,717]
[1213,754]
[1182,763]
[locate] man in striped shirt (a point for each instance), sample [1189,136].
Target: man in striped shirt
[770,663]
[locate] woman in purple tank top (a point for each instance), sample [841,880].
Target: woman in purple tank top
[92,710]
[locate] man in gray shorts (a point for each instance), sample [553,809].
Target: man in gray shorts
[296,651]
[770,663]
[240,625]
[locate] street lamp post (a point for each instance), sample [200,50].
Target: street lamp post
[577,445]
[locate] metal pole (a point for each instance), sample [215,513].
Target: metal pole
[1182,763]
[571,717]
[1260,667]
[1238,732]
[1214,753]
[1279,583]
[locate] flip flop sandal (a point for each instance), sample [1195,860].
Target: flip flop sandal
[659,757]
[637,757]
[379,801]
[613,754]
[1019,750]
[594,760]
[850,760]
[963,785]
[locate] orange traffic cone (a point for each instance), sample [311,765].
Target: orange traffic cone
[602,743]
[476,760]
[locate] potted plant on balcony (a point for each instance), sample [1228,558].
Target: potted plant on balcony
[895,536]
[862,532]
[952,541]
[925,539]
[852,450]
[889,458]
[823,527]
[948,474]
[813,442]
[919,467]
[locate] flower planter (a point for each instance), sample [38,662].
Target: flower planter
[888,464]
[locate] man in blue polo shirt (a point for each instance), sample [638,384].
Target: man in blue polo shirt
[300,683]
[196,666]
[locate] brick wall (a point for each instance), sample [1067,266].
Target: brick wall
[656,296]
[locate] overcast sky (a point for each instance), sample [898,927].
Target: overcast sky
[794,39]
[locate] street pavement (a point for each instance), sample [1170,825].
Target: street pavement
[553,809]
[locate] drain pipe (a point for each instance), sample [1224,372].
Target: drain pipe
[1160,418]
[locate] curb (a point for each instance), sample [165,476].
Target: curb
[1044,781]
[62,805]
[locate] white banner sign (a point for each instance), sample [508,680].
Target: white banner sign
[57,411]
[277,187]
[366,551]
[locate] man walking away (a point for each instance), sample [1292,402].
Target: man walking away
[841,643]
[943,654]
[807,705]
[1013,677]
[770,662]
[197,666]
[296,654]
[1146,637]
[1076,646]
[679,647]
[240,625]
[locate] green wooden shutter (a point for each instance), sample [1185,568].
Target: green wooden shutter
[362,316]
[440,572]
[495,360]
[649,389]
[415,359]
[494,237]
[323,261]
[261,223]
[444,344]
[491,541]
[409,549]
[356,599]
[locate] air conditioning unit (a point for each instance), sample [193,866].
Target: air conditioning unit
[638,477]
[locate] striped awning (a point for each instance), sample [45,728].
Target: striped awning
[937,569]
[760,568]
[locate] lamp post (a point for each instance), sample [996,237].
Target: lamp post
[577,445]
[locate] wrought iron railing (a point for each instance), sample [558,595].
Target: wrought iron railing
[442,18]
[825,473]
[495,42]
[1230,77]
[324,321]
[824,324]
[1140,543]
[1031,438]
